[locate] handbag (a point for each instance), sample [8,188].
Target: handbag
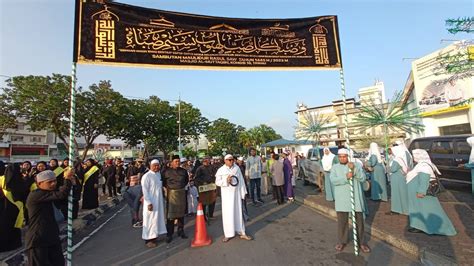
[434,186]
[366,185]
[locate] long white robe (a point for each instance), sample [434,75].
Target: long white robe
[153,221]
[231,197]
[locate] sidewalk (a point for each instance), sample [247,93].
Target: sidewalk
[437,250]
[85,218]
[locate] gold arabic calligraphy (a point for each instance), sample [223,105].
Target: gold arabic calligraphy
[211,42]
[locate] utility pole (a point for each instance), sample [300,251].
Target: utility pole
[179,125]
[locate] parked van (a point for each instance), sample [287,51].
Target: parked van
[313,152]
[447,152]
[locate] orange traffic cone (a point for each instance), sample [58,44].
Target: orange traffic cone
[200,232]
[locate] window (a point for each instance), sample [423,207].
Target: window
[421,144]
[455,129]
[17,138]
[462,147]
[442,147]
[36,139]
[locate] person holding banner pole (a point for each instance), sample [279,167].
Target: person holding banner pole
[340,177]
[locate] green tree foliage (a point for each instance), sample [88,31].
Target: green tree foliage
[310,127]
[458,64]
[42,100]
[460,25]
[7,118]
[98,111]
[395,115]
[189,152]
[192,122]
[256,136]
[222,134]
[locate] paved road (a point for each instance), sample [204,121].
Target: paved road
[289,234]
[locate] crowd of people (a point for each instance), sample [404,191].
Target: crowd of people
[161,194]
[410,176]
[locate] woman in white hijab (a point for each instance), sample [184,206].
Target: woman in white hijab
[470,164]
[379,180]
[409,158]
[329,159]
[399,169]
[425,212]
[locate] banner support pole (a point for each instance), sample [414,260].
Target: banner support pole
[351,182]
[72,129]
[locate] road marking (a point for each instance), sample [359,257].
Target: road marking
[76,246]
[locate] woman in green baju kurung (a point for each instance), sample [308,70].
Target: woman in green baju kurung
[399,188]
[425,212]
[378,188]
[470,164]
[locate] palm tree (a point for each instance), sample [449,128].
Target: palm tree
[310,127]
[395,115]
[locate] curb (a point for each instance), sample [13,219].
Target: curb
[18,257]
[425,256]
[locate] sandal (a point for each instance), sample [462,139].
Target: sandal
[340,247]
[245,237]
[365,248]
[226,239]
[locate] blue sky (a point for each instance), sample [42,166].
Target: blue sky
[37,35]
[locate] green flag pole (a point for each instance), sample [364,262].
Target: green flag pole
[72,132]
[351,182]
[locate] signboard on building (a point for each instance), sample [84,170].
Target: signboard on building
[440,93]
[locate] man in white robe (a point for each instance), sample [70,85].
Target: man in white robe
[153,211]
[230,179]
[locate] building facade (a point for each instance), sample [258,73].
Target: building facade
[21,143]
[333,133]
[445,100]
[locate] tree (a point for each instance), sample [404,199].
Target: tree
[189,152]
[7,118]
[256,136]
[460,63]
[192,122]
[42,100]
[310,127]
[98,111]
[395,114]
[222,134]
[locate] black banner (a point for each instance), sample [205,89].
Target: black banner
[119,34]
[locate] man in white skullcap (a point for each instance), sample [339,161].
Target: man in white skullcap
[340,175]
[230,179]
[42,238]
[153,210]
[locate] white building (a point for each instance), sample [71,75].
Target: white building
[21,143]
[373,94]
[445,102]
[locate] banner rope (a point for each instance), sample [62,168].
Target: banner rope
[351,182]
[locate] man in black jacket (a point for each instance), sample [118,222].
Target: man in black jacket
[42,238]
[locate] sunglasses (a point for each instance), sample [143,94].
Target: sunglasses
[230,159]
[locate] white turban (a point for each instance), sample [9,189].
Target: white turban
[155,161]
[343,151]
[228,156]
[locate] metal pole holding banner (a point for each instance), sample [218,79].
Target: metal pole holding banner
[72,132]
[351,181]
